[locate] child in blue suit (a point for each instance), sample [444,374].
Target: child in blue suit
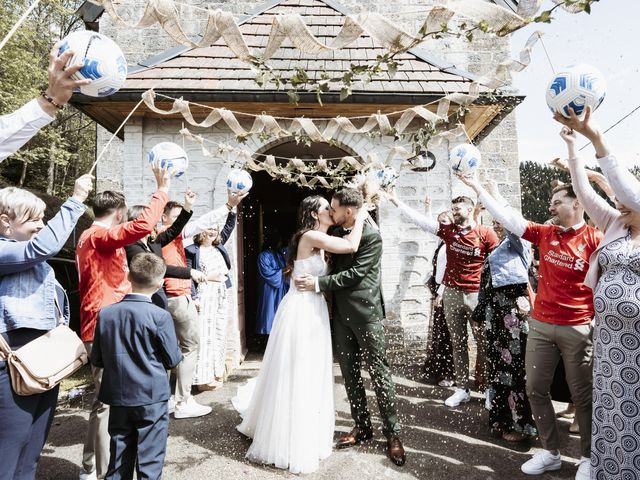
[135,343]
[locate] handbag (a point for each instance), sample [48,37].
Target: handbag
[44,362]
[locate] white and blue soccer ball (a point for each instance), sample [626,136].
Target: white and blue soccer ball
[170,156]
[239,181]
[464,159]
[103,62]
[386,177]
[576,87]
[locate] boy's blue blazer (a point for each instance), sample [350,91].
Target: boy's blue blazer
[135,343]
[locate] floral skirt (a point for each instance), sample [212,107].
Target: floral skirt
[506,327]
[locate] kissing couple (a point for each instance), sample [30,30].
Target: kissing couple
[288,409]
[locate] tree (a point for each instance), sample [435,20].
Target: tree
[52,160]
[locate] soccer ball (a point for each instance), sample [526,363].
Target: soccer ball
[386,177]
[576,87]
[239,181]
[171,157]
[104,63]
[464,159]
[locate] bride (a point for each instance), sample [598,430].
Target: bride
[288,408]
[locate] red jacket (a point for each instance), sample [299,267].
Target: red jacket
[102,262]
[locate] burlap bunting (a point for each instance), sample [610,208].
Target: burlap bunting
[266,123]
[222,24]
[307,173]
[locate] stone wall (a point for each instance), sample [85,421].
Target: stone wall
[407,250]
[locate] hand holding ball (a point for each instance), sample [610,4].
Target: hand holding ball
[464,159]
[239,181]
[170,156]
[576,87]
[102,62]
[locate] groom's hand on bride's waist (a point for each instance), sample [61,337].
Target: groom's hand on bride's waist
[305,283]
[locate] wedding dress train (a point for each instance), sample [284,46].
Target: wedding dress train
[288,409]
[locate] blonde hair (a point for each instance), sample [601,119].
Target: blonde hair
[20,205]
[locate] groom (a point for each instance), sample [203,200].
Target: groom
[358,332]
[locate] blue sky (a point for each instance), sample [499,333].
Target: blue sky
[606,39]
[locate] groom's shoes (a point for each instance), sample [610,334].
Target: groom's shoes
[354,437]
[395,450]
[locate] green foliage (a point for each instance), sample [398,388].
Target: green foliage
[66,148]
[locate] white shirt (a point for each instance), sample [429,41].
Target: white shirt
[18,127]
[208,220]
[625,186]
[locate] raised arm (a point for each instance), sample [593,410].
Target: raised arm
[167,236]
[213,217]
[425,222]
[500,210]
[18,127]
[347,244]
[109,239]
[593,176]
[625,186]
[117,237]
[227,230]
[20,256]
[596,207]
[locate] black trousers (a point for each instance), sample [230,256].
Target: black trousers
[138,440]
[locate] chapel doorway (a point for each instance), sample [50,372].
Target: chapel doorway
[272,203]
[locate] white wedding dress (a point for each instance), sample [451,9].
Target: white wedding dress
[288,409]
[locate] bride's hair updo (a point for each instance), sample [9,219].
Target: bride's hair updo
[306,222]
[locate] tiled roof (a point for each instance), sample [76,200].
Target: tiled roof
[216,68]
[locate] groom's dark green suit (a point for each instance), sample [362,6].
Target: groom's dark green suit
[358,311]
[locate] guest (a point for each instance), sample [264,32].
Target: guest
[135,343]
[560,326]
[272,283]
[102,270]
[155,241]
[614,275]
[182,306]
[208,255]
[438,364]
[503,311]
[468,244]
[31,302]
[18,127]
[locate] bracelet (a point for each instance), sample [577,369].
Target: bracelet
[51,100]
[229,206]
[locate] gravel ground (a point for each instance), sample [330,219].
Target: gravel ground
[440,442]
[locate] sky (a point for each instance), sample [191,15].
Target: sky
[606,39]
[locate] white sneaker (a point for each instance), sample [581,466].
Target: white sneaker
[171,404]
[446,383]
[88,476]
[190,409]
[584,469]
[543,461]
[458,397]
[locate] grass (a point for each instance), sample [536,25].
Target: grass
[80,378]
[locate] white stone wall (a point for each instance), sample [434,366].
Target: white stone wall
[407,250]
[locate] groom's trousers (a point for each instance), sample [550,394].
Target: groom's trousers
[360,343]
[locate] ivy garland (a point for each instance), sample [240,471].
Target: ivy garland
[300,80]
